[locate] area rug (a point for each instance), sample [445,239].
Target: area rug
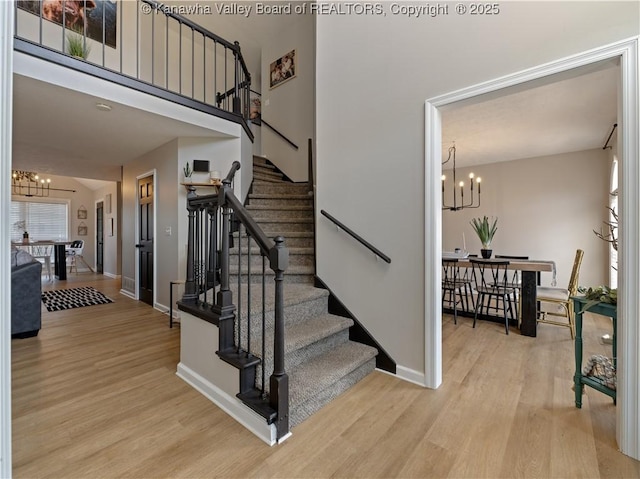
[62,299]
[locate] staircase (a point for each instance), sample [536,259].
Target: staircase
[319,358]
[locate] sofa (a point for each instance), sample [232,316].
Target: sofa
[26,294]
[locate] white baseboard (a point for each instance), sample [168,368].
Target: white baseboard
[411,375]
[231,405]
[111,275]
[128,294]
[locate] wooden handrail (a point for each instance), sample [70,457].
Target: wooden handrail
[357,237]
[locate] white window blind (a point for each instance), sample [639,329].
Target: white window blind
[42,220]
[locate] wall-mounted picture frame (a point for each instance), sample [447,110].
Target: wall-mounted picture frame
[83,230]
[82,213]
[283,69]
[96,19]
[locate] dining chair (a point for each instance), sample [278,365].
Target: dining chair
[515,281]
[74,254]
[452,286]
[491,285]
[560,298]
[43,252]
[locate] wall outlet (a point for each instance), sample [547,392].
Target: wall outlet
[167,231]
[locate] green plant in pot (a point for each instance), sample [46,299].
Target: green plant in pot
[187,172]
[77,47]
[485,232]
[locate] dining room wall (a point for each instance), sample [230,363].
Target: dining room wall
[547,207]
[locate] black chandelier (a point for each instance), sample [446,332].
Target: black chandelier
[28,183]
[459,205]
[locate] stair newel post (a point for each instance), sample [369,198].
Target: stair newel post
[190,291]
[279,381]
[224,306]
[236,94]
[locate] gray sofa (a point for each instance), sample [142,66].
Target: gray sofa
[26,294]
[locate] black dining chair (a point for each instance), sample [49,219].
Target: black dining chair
[491,277]
[515,280]
[453,286]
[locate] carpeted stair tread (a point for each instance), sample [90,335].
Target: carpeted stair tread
[293,294]
[259,166]
[279,196]
[261,219]
[309,378]
[256,251]
[291,234]
[269,174]
[267,178]
[304,333]
[301,334]
[282,208]
[293,275]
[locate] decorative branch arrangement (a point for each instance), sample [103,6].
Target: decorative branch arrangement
[611,236]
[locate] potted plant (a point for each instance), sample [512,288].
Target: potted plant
[77,47]
[485,233]
[187,172]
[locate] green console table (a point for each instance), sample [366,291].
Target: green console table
[579,379]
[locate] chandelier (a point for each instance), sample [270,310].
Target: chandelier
[459,204]
[28,183]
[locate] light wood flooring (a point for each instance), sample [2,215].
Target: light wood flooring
[95,395]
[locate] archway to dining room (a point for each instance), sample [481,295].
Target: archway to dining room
[443,237]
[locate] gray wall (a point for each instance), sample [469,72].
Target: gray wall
[164,162]
[374,74]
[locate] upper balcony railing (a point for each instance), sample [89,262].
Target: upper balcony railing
[142,44]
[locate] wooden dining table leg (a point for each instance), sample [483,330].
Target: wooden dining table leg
[528,327]
[59,261]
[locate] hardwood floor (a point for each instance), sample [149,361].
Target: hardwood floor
[96,395]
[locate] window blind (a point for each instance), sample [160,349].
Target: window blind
[42,220]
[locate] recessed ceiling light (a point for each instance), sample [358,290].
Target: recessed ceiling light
[103,107]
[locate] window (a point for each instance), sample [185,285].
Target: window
[613,204]
[43,220]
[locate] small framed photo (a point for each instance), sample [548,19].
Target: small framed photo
[83,230]
[283,69]
[82,213]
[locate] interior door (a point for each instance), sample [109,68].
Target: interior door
[145,239]
[100,237]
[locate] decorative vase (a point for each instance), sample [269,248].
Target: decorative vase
[486,253]
[25,237]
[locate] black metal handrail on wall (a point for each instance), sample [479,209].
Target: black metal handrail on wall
[357,237]
[243,340]
[155,50]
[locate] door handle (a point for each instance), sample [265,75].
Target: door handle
[138,246]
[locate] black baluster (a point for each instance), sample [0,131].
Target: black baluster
[264,327]
[239,306]
[248,294]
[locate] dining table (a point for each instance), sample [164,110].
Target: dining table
[59,255]
[530,270]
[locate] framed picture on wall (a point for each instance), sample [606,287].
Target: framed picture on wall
[82,213]
[283,69]
[83,230]
[94,18]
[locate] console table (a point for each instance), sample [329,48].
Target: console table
[579,379]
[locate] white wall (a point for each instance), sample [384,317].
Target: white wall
[111,244]
[374,74]
[546,207]
[289,107]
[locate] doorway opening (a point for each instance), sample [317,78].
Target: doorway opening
[626,52]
